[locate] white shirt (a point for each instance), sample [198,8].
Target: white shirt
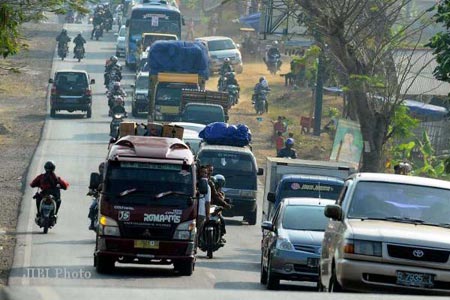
[202,200]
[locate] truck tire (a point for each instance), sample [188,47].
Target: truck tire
[184,268]
[251,218]
[52,112]
[89,113]
[104,265]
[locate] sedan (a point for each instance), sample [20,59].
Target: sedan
[291,245]
[120,43]
[191,126]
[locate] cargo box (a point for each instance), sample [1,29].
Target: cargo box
[173,131]
[127,128]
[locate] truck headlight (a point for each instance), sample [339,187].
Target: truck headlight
[108,226]
[360,247]
[186,231]
[248,194]
[284,244]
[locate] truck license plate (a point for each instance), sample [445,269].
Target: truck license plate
[415,279]
[145,244]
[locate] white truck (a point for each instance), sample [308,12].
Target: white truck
[301,178]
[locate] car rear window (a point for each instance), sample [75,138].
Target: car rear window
[221,45]
[304,217]
[72,79]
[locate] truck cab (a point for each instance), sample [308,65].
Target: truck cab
[148,205]
[238,165]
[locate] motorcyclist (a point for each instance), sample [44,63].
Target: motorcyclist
[94,191]
[63,39]
[107,15]
[216,184]
[118,106]
[261,87]
[112,64]
[50,184]
[97,20]
[231,80]
[79,41]
[273,52]
[288,151]
[226,67]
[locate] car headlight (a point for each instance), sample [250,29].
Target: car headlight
[185,231]
[108,226]
[284,244]
[360,247]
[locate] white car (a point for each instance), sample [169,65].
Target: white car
[219,48]
[190,126]
[120,43]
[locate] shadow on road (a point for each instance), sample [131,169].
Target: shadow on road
[218,264]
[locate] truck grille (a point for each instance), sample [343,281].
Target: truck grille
[146,232]
[418,254]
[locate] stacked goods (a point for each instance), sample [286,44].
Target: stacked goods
[219,133]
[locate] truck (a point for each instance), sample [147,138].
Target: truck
[148,205]
[204,107]
[301,178]
[174,66]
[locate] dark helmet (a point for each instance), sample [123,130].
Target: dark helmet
[49,166]
[262,78]
[64,31]
[289,142]
[219,180]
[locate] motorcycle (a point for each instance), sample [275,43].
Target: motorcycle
[222,84]
[70,18]
[273,63]
[108,24]
[260,101]
[63,50]
[47,210]
[79,52]
[211,234]
[233,94]
[93,209]
[98,33]
[115,124]
[79,18]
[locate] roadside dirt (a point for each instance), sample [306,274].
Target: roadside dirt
[22,114]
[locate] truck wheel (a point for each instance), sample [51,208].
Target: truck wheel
[251,218]
[89,113]
[104,265]
[184,268]
[52,112]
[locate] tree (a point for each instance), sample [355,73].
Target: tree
[363,37]
[13,13]
[439,42]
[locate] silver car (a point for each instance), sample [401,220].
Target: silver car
[388,233]
[291,245]
[219,48]
[121,43]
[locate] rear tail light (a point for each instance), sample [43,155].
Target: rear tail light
[54,91]
[88,92]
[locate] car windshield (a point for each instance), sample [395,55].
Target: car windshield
[310,189]
[137,27]
[203,114]
[145,181]
[219,45]
[142,83]
[400,202]
[238,168]
[304,217]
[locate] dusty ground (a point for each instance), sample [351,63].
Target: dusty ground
[22,114]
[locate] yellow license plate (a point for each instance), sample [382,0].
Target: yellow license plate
[144,244]
[169,109]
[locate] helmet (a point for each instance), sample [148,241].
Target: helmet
[118,100]
[64,30]
[219,180]
[101,167]
[275,43]
[289,142]
[117,84]
[49,166]
[80,33]
[262,78]
[226,60]
[114,58]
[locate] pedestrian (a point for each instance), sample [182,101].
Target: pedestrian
[204,202]
[288,151]
[279,141]
[278,126]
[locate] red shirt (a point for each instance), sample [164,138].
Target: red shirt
[45,183]
[279,142]
[279,126]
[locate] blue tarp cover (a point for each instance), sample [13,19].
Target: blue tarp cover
[251,20]
[428,111]
[179,57]
[220,133]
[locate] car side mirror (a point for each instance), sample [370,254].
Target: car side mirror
[92,81]
[50,80]
[203,186]
[260,171]
[267,225]
[271,197]
[238,46]
[334,212]
[95,180]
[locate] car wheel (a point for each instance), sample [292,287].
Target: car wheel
[334,286]
[52,112]
[273,282]
[263,275]
[89,113]
[251,218]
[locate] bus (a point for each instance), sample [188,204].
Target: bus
[151,17]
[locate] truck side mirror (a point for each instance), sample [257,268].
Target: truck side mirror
[203,186]
[95,180]
[334,212]
[260,171]
[267,225]
[271,197]
[50,80]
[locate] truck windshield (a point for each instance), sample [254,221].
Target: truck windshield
[203,114]
[168,96]
[139,183]
[309,189]
[238,168]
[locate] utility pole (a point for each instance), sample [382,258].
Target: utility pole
[319,94]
